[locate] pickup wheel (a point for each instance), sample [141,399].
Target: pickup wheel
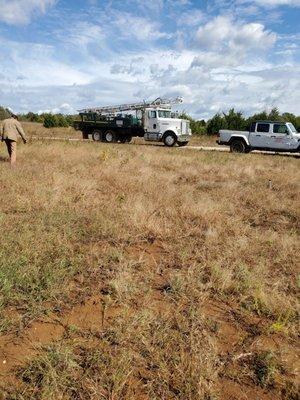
[238,146]
[97,136]
[170,139]
[110,137]
[181,144]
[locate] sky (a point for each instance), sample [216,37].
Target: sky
[63,55]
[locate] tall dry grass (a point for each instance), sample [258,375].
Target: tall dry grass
[193,255]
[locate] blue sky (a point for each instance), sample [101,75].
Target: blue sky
[62,55]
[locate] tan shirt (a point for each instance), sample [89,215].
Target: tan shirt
[11,129]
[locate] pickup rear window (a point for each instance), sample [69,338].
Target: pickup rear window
[265,128]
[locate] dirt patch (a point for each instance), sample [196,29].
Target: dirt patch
[15,350]
[231,390]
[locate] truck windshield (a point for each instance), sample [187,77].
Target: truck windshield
[164,114]
[292,128]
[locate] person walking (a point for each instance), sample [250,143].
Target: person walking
[10,131]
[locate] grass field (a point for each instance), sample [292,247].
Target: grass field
[147,273]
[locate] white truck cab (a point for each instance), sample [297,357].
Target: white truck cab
[160,125]
[263,135]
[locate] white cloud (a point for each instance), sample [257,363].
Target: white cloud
[210,59]
[82,33]
[223,42]
[64,108]
[223,32]
[274,3]
[190,18]
[137,27]
[33,65]
[208,82]
[19,12]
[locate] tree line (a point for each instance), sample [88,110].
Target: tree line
[235,120]
[232,119]
[48,120]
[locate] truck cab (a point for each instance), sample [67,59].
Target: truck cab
[154,121]
[262,135]
[161,125]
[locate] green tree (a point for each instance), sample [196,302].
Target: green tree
[33,117]
[216,123]
[274,115]
[234,120]
[55,121]
[289,117]
[4,113]
[61,121]
[50,120]
[70,119]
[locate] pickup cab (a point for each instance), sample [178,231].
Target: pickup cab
[262,135]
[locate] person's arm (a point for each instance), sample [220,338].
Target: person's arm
[21,131]
[1,131]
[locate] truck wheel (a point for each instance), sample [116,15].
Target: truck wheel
[181,144]
[238,146]
[170,139]
[110,137]
[97,136]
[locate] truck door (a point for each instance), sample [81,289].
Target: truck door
[151,125]
[281,138]
[260,136]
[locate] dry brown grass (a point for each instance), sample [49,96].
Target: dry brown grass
[192,260]
[37,130]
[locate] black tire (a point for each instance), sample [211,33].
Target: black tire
[238,146]
[97,136]
[170,139]
[182,144]
[110,137]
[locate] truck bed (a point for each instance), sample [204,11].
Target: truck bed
[226,134]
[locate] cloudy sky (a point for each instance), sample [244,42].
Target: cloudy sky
[62,55]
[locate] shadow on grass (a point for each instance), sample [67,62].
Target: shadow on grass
[291,155]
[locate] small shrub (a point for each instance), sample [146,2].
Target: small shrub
[55,121]
[264,367]
[50,121]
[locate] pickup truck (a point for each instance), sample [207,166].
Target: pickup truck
[262,135]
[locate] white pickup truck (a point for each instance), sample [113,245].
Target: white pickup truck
[263,135]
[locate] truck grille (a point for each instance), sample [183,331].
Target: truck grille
[185,127]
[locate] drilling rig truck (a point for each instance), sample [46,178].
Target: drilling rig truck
[153,121]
